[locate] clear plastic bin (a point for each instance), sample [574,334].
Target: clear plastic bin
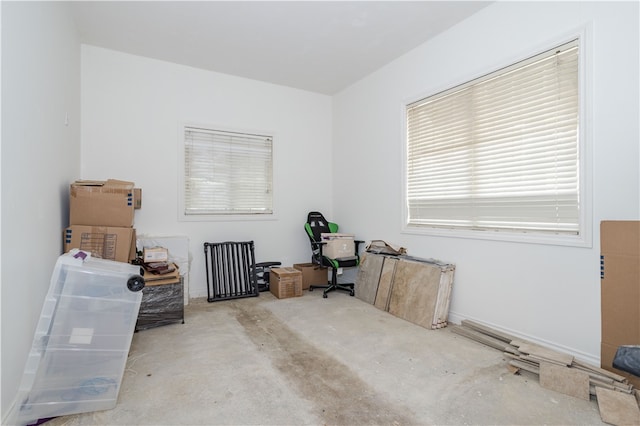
[82,339]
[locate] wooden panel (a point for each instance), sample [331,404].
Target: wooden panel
[368,276]
[617,408]
[415,292]
[569,381]
[386,283]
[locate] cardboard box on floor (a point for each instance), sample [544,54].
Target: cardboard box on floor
[285,282]
[106,203]
[312,274]
[113,243]
[620,290]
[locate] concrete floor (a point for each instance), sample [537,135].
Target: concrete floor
[314,361]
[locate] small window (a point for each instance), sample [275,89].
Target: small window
[499,153]
[227,173]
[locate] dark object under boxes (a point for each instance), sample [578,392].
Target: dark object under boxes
[162,297]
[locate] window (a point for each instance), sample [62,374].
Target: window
[499,153]
[227,173]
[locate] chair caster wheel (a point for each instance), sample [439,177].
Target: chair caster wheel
[324,296]
[310,288]
[352,293]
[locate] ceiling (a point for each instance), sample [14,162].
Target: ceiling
[319,46]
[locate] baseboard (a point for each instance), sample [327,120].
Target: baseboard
[455,318]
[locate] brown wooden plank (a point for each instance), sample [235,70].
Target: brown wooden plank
[617,408]
[524,366]
[414,293]
[545,353]
[479,337]
[564,380]
[602,371]
[386,283]
[368,277]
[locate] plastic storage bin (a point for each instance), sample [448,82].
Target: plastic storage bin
[82,339]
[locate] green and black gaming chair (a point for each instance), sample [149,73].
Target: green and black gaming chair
[315,226]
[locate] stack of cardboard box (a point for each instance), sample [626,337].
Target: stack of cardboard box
[101,218]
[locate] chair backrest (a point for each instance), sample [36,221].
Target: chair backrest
[317,225]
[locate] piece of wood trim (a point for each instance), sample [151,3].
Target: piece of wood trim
[488,330]
[545,354]
[479,337]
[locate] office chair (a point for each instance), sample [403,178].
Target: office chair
[317,225]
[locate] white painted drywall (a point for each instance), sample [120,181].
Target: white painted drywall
[132,108]
[40,157]
[548,293]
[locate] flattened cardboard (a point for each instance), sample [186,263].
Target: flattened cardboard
[620,290]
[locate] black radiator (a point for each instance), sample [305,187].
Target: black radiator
[231,270]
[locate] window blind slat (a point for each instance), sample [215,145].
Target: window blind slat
[499,152]
[227,173]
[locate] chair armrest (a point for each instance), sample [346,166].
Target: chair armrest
[318,245]
[267,264]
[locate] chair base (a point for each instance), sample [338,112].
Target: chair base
[332,287]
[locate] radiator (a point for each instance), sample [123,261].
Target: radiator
[231,270]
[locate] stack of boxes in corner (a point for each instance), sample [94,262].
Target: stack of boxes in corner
[101,218]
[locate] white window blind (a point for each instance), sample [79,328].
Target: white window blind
[227,173]
[500,152]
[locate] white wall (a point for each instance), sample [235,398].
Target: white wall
[550,294]
[131,111]
[40,156]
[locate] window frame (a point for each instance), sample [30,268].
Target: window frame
[182,216]
[584,237]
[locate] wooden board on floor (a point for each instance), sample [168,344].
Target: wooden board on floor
[617,408]
[385,284]
[541,353]
[569,381]
[368,276]
[415,292]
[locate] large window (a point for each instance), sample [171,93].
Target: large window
[499,153]
[227,173]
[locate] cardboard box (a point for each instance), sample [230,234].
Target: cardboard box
[155,254]
[338,245]
[137,198]
[285,282]
[312,274]
[105,203]
[620,290]
[113,243]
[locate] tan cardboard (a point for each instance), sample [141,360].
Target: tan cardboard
[105,203]
[620,290]
[285,282]
[113,243]
[312,274]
